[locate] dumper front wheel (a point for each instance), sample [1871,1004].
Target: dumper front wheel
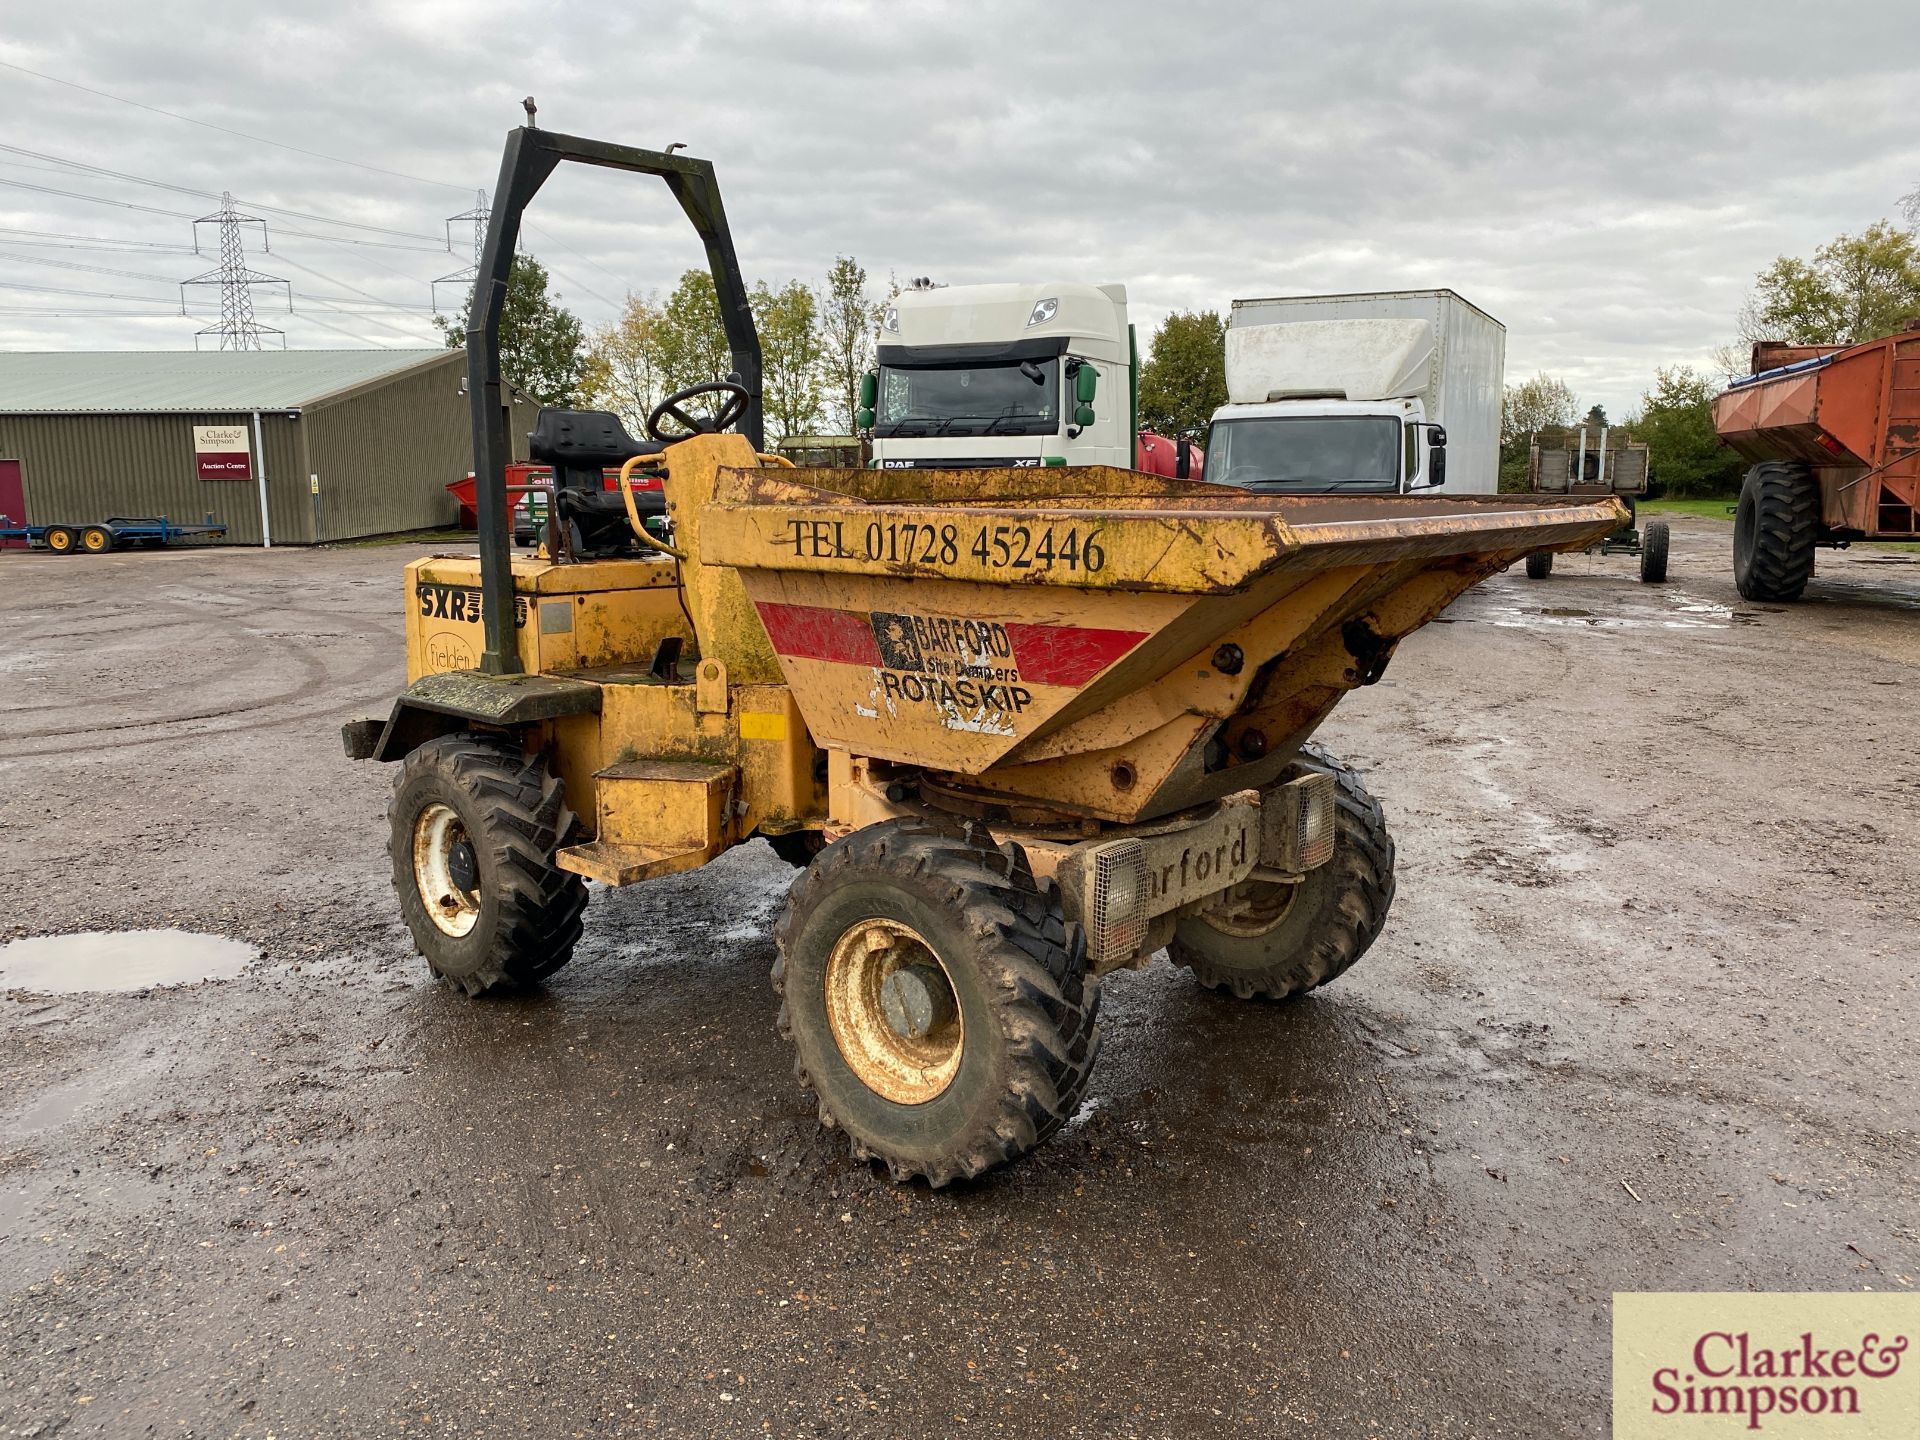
[938,1002]
[1274,940]
[475,824]
[1775,530]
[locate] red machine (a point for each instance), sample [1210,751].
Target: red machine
[1834,432]
[527,489]
[1158,455]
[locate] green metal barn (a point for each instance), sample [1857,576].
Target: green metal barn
[295,446]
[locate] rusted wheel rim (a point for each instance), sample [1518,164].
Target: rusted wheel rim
[1253,907]
[893,1011]
[443,868]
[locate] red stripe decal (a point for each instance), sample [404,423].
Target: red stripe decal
[1065,654]
[814,632]
[1044,654]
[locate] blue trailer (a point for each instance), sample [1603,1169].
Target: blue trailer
[113,533]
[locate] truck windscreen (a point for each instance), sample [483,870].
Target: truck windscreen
[1012,398]
[1306,453]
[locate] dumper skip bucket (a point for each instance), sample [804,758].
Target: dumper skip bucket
[1004,627]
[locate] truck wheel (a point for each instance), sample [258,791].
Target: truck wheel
[61,540]
[1275,940]
[96,539]
[1653,552]
[1774,530]
[475,825]
[1539,565]
[938,1003]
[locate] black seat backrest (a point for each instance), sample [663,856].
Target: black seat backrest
[584,440]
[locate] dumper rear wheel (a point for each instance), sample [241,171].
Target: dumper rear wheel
[938,1002]
[1774,530]
[1275,940]
[1540,565]
[475,824]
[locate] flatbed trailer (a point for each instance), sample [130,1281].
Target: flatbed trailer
[114,533]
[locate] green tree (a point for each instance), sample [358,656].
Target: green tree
[1676,424]
[542,344]
[1856,287]
[1185,377]
[624,372]
[692,341]
[849,322]
[1596,417]
[793,351]
[1542,403]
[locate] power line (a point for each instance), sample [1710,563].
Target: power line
[98,199]
[59,240]
[189,215]
[86,168]
[225,130]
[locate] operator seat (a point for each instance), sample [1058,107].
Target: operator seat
[580,445]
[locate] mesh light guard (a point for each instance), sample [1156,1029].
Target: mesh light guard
[1117,919]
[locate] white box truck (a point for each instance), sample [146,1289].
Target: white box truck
[1392,392]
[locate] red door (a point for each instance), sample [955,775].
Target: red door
[13,501]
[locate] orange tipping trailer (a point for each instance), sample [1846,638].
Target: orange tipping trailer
[1834,434]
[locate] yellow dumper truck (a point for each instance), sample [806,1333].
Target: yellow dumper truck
[1020,726]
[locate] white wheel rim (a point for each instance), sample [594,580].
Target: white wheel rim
[436,831]
[906,1069]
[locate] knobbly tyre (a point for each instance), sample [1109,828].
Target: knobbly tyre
[1020,726]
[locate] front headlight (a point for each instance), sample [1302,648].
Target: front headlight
[890,322]
[1044,310]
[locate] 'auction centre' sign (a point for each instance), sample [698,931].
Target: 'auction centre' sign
[220,452]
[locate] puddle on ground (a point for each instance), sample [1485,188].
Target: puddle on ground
[1824,591]
[101,960]
[1670,609]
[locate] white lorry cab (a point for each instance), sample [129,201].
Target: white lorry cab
[1385,392]
[1003,375]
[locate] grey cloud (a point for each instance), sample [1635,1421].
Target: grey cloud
[1605,178]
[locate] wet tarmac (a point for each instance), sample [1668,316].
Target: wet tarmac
[1639,1020]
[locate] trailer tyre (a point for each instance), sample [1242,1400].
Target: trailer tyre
[1774,530]
[1540,565]
[937,1000]
[61,540]
[1653,552]
[1279,940]
[96,539]
[475,825]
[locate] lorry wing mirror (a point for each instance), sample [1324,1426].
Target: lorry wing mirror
[1086,380]
[1437,436]
[869,390]
[1437,463]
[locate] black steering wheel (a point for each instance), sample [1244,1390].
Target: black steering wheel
[731,409]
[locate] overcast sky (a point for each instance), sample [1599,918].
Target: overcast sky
[1604,178]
